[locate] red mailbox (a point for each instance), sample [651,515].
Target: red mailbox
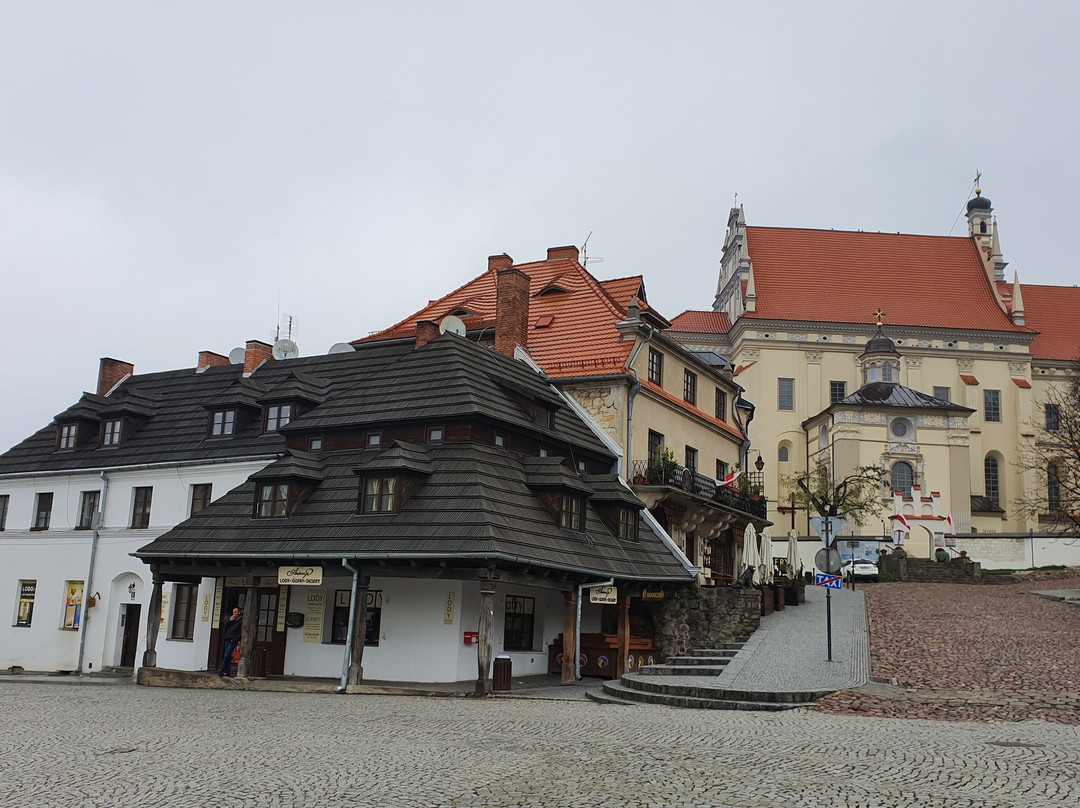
[472,637]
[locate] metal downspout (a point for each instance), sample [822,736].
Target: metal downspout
[89,590]
[577,626]
[352,623]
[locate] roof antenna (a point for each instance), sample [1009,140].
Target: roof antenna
[585,253]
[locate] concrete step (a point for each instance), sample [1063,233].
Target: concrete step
[713,652]
[620,691]
[683,670]
[715,658]
[657,684]
[600,696]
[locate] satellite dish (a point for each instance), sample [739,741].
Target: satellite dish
[455,325]
[341,347]
[236,356]
[285,349]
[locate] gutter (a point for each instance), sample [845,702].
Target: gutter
[89,588]
[142,466]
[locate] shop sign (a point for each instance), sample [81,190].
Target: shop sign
[652,594]
[299,576]
[448,609]
[604,594]
[313,619]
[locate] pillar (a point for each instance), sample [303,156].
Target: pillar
[624,636]
[485,630]
[359,608]
[153,623]
[247,635]
[569,637]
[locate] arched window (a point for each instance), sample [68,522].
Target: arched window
[903,476]
[990,475]
[1053,488]
[782,454]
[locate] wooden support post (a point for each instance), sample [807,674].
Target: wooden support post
[569,637]
[247,635]
[485,630]
[356,658]
[153,623]
[624,636]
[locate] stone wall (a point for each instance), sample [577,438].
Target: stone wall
[602,404]
[705,617]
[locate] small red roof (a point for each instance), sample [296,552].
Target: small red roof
[1022,383]
[1054,312]
[968,379]
[572,316]
[702,322]
[843,277]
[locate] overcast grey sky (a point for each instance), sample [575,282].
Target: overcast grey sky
[174,174]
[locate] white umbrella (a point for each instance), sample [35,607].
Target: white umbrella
[767,572]
[793,555]
[750,555]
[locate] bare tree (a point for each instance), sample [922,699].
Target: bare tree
[1053,455]
[857,496]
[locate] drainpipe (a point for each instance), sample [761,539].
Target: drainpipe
[352,623]
[635,388]
[577,626]
[88,591]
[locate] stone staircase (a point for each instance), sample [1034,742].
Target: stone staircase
[690,681]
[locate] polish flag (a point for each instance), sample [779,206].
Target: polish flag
[724,483]
[949,522]
[900,518]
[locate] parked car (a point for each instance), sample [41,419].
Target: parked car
[863,570]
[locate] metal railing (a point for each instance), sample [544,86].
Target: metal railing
[745,494]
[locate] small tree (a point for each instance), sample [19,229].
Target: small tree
[857,497]
[1053,454]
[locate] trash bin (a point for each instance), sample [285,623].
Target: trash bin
[500,678]
[259,660]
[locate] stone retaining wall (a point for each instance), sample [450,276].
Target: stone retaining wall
[705,617]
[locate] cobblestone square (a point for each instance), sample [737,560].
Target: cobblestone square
[131,746]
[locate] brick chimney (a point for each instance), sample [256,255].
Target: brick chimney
[110,373]
[499,262]
[209,359]
[426,331]
[562,253]
[511,310]
[255,354]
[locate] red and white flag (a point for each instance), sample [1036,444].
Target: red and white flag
[902,520]
[724,483]
[949,523]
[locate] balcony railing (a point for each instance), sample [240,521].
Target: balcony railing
[742,495]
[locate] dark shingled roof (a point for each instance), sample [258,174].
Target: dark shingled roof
[885,394]
[476,505]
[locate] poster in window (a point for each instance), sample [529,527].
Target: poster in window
[166,599]
[313,619]
[27,591]
[73,603]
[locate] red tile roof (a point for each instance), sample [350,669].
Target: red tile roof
[690,408]
[843,277]
[1053,311]
[1022,383]
[968,379]
[580,338]
[702,322]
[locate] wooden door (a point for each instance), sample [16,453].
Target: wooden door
[268,640]
[129,619]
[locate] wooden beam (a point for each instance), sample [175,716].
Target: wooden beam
[485,630]
[153,623]
[569,645]
[356,658]
[623,636]
[247,635]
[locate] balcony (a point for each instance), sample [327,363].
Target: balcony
[649,473]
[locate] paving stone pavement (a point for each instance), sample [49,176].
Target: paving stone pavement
[135,747]
[974,653]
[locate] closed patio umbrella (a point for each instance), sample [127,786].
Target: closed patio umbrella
[767,570]
[793,555]
[750,555]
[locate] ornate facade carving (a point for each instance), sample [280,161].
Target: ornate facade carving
[870,417]
[913,362]
[965,365]
[814,357]
[1018,370]
[931,421]
[849,339]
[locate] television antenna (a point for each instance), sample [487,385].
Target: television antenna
[585,253]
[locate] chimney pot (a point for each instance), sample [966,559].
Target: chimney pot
[426,331]
[499,262]
[562,253]
[110,373]
[255,354]
[511,311]
[209,359]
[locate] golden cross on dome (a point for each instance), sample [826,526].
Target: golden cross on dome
[978,177]
[880,316]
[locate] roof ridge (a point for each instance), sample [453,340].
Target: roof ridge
[857,232]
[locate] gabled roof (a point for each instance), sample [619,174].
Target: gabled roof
[475,505]
[702,322]
[570,334]
[838,276]
[886,394]
[1053,311]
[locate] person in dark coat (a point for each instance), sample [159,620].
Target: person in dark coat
[233,629]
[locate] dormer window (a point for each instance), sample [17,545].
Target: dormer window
[277,416]
[380,495]
[373,440]
[222,423]
[571,514]
[66,436]
[110,432]
[628,524]
[435,434]
[544,416]
[273,500]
